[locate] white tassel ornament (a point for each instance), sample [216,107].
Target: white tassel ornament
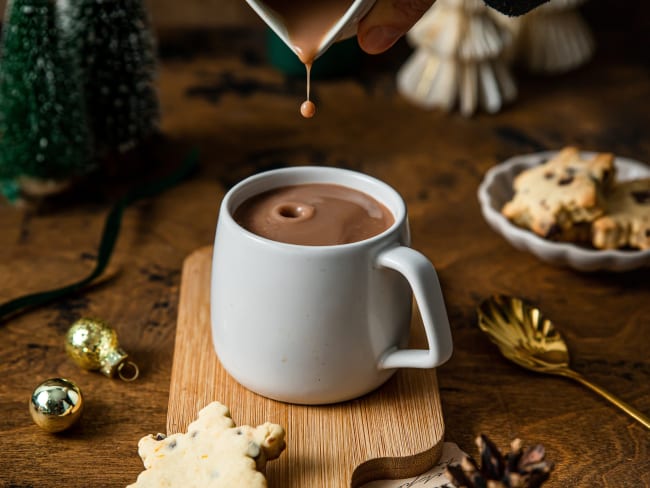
[457,60]
[551,39]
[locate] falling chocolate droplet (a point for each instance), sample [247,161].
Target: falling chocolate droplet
[308,109]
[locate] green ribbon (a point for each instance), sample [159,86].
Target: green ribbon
[108,239]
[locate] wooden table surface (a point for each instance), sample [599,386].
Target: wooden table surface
[219,94]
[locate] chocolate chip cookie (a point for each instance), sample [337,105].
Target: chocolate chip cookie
[626,222]
[560,198]
[214,453]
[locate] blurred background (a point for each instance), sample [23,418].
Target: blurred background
[630,15]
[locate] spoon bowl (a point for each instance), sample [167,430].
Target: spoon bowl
[523,334]
[528,338]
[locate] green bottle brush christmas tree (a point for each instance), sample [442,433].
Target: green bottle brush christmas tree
[44,139]
[115,49]
[76,87]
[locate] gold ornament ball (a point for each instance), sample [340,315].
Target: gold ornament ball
[92,344]
[56,404]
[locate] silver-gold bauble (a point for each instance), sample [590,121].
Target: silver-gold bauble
[56,404]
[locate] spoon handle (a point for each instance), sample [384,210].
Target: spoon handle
[628,409]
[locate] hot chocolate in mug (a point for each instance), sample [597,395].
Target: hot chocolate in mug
[317,324]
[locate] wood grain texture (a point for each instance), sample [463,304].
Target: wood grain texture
[394,432]
[218,93]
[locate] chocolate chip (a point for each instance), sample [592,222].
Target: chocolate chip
[553,230]
[160,437]
[565,180]
[172,444]
[642,197]
[549,175]
[238,432]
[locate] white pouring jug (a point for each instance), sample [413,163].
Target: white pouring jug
[345,27]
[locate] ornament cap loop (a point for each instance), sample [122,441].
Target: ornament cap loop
[132,371]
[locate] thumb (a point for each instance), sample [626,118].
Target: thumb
[387,21]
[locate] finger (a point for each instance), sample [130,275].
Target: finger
[387,21]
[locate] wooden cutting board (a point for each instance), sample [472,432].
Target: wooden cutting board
[393,432]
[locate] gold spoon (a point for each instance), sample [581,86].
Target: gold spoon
[529,339]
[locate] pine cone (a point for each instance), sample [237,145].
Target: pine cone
[520,468]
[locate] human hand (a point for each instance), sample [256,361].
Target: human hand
[387,21]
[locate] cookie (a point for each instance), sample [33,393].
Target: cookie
[214,453]
[626,222]
[561,197]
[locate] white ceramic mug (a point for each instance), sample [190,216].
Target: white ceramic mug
[321,324]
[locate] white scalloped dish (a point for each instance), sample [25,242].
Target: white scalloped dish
[496,189]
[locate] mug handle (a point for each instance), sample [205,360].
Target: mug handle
[423,279]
